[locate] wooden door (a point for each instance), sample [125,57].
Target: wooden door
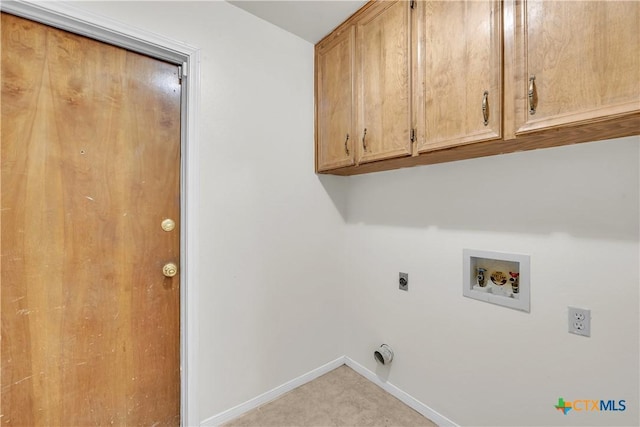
[579,60]
[334,101]
[383,57]
[90,157]
[460,74]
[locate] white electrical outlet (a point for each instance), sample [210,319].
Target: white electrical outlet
[580,321]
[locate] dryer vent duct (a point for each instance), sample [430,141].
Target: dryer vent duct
[383,354]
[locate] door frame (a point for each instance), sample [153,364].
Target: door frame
[81,22]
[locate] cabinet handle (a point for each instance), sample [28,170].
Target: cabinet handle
[531,94]
[364,142]
[485,107]
[346,148]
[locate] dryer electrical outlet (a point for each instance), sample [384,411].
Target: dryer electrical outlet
[403,281]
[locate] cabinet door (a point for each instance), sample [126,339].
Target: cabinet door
[579,60]
[460,73]
[334,101]
[383,81]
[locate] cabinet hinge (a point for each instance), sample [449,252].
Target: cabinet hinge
[412,4]
[413,135]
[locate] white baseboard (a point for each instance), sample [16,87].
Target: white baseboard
[404,397]
[273,394]
[267,397]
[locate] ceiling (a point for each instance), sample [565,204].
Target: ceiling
[310,20]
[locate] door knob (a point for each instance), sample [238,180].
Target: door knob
[170,269]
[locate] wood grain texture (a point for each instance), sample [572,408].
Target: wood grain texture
[335,101]
[614,127]
[90,157]
[383,76]
[509,67]
[461,45]
[584,56]
[602,102]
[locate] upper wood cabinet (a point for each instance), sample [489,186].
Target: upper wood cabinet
[459,76]
[335,101]
[574,62]
[383,81]
[433,81]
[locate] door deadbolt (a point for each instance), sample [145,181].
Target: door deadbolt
[168,224]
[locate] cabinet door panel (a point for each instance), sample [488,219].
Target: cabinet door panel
[461,46]
[383,76]
[334,100]
[584,56]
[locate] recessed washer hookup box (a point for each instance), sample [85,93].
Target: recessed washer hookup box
[497,277]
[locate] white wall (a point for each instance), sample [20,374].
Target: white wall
[271,237]
[574,209]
